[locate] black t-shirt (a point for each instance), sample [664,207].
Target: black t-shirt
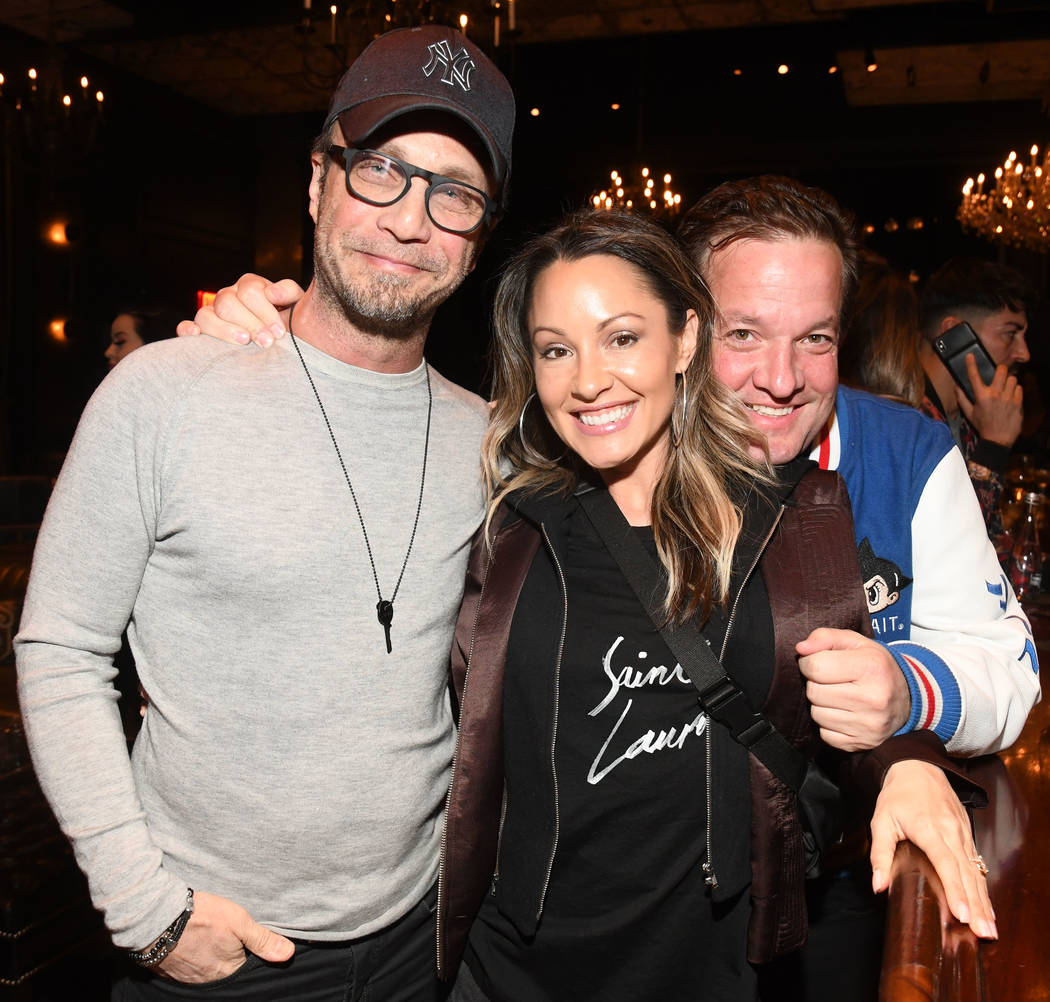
[627,916]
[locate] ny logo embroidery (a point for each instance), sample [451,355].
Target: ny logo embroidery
[457,68]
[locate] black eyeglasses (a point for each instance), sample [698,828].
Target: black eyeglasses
[380,179]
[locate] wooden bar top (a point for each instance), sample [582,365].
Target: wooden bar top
[928,955]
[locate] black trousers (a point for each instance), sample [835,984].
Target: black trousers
[842,958]
[395,964]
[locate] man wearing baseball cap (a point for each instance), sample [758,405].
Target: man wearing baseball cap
[284,533]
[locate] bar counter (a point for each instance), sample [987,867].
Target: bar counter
[929,957]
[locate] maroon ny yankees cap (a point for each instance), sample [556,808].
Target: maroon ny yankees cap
[432,68]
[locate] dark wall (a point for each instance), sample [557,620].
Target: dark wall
[158,205]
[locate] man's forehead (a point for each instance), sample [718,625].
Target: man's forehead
[745,275]
[1012,319]
[787,251]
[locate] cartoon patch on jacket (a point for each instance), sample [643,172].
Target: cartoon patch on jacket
[883,580]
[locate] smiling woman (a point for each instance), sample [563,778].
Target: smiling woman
[606,364]
[596,839]
[600,318]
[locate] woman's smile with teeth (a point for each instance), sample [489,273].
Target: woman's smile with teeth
[609,415]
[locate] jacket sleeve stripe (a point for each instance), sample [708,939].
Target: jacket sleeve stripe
[935,693]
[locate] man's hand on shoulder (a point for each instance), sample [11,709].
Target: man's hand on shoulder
[249,310]
[859,696]
[997,411]
[213,943]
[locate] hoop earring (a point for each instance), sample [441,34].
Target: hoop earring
[677,433]
[530,453]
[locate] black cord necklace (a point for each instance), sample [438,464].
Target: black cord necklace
[384,607]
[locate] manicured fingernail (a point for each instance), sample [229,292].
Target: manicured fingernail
[242,337]
[277,330]
[263,338]
[963,914]
[876,881]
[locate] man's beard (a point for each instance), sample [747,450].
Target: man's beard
[380,304]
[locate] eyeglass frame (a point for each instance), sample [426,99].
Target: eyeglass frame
[347,153]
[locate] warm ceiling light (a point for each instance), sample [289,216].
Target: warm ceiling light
[84,83]
[535,112]
[57,329]
[782,69]
[738,72]
[615,106]
[56,233]
[667,178]
[870,62]
[462,22]
[333,10]
[832,69]
[67,100]
[32,72]
[1,79]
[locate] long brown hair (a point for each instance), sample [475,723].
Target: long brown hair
[880,346]
[695,520]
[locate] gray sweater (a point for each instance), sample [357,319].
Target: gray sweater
[286,761]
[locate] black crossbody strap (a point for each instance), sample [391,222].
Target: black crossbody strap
[720,696]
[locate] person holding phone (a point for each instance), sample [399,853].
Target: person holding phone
[984,414]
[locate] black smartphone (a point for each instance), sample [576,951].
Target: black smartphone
[954,345]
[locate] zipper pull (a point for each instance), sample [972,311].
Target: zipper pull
[709,876]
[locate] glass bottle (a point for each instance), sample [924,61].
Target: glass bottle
[1026,557]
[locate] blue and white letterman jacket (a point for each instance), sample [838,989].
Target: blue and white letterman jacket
[937,596]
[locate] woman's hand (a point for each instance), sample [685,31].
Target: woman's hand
[248,310]
[917,803]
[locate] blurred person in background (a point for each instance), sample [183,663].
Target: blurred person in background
[135,326]
[995,301]
[880,350]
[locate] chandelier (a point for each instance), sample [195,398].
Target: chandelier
[641,195]
[1017,209]
[58,111]
[331,35]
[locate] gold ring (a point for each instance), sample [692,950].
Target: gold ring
[981,865]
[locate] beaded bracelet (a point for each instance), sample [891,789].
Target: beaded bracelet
[167,940]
